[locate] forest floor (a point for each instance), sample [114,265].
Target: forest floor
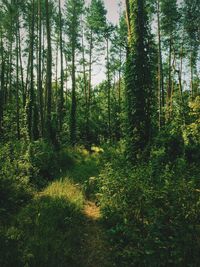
[95,247]
[80,243]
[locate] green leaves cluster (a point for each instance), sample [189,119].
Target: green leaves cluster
[152,214]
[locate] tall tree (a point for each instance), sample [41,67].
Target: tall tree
[169,26]
[161,94]
[96,25]
[39,82]
[2,77]
[74,11]
[61,91]
[48,73]
[138,80]
[191,14]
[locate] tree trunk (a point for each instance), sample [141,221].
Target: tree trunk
[169,88]
[17,82]
[161,97]
[191,75]
[40,89]
[109,88]
[48,73]
[31,103]
[73,107]
[61,95]
[88,141]
[2,76]
[21,67]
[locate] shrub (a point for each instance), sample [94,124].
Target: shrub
[14,180]
[47,231]
[152,221]
[42,158]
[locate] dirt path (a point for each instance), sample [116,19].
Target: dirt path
[95,247]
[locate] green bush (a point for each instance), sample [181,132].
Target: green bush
[46,233]
[42,158]
[152,221]
[16,192]
[14,180]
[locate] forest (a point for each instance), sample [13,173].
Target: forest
[99,133]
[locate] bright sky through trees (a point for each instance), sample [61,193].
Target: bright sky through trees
[113,7]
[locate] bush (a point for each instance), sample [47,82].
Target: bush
[47,231]
[42,158]
[16,192]
[152,221]
[14,180]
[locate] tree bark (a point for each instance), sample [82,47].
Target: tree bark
[40,89]
[61,95]
[17,81]
[48,73]
[2,82]
[161,97]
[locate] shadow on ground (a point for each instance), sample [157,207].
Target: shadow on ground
[53,230]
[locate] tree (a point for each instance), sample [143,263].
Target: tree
[39,82]
[96,25]
[74,11]
[32,114]
[61,91]
[49,73]
[191,14]
[138,80]
[169,25]
[161,94]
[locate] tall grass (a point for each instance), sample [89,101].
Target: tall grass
[65,189]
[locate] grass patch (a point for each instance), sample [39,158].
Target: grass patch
[47,232]
[65,189]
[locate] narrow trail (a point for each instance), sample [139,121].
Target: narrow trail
[95,248]
[62,227]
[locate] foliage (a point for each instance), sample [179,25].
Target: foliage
[46,232]
[135,134]
[14,180]
[138,80]
[153,215]
[191,132]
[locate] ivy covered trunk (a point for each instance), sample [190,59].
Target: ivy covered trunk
[138,80]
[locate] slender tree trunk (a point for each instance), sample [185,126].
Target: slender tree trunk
[191,75]
[180,84]
[84,71]
[17,82]
[9,99]
[172,84]
[109,88]
[161,97]
[73,107]
[57,94]
[40,89]
[2,76]
[128,18]
[10,72]
[119,82]
[88,141]
[21,67]
[48,73]
[66,81]
[61,95]
[31,90]
[169,88]
[27,75]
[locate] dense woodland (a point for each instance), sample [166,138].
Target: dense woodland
[99,133]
